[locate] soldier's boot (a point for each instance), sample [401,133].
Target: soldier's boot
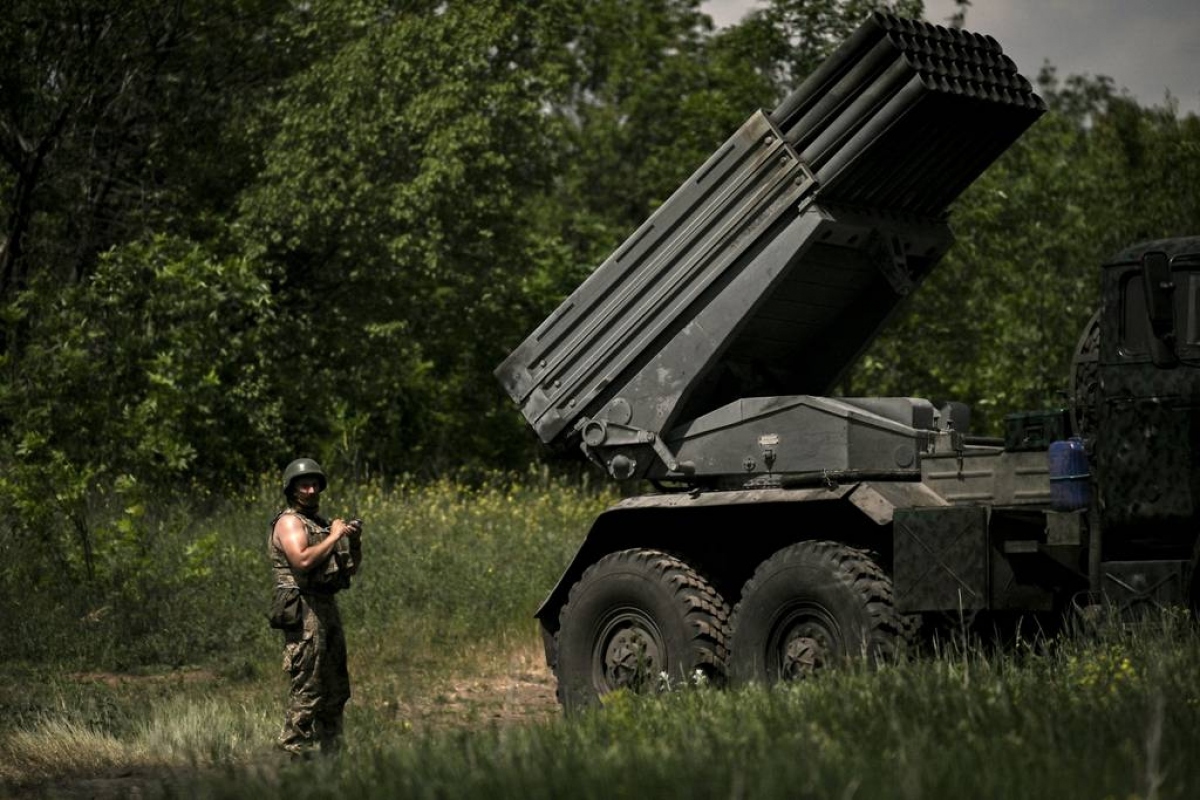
[329,734]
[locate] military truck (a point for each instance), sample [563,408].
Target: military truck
[789,529]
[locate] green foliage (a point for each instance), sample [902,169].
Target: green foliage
[391,197]
[114,125]
[655,95]
[131,339]
[152,369]
[145,378]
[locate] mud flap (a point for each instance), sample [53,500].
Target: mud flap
[940,559]
[1135,587]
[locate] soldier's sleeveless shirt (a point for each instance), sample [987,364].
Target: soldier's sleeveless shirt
[317,529]
[327,578]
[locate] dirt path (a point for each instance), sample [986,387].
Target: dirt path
[523,694]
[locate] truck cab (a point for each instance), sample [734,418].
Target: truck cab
[1146,399]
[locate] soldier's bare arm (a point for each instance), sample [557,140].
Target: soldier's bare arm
[293,540]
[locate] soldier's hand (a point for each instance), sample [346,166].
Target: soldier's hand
[354,528]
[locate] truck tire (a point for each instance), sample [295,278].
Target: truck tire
[634,616]
[810,606]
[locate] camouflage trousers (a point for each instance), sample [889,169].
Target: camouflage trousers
[314,656]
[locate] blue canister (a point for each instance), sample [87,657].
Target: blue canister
[1069,487]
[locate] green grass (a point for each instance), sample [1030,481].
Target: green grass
[1112,716]
[451,577]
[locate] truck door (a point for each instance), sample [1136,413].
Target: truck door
[1148,440]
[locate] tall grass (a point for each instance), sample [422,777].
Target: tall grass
[449,568]
[1110,715]
[1107,716]
[185,731]
[446,565]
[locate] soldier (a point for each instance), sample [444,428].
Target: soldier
[312,559]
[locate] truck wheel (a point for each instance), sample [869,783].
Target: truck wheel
[634,616]
[809,607]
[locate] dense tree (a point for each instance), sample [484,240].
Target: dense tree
[128,392]
[392,199]
[114,121]
[122,136]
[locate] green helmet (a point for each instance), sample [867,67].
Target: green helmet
[298,469]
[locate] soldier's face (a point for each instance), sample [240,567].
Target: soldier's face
[308,491]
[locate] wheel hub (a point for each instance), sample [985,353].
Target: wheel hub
[631,658]
[803,657]
[805,646]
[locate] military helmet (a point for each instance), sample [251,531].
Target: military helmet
[298,469]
